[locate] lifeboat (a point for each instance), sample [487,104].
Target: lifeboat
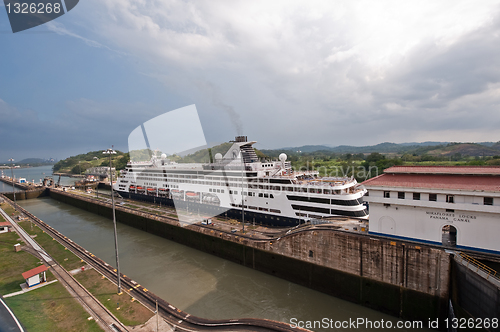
[151,189]
[132,187]
[192,194]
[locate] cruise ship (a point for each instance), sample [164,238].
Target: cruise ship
[266,192]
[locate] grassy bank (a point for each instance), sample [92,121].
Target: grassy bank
[58,252]
[51,308]
[13,264]
[127,311]
[130,313]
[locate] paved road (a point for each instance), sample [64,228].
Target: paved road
[8,322]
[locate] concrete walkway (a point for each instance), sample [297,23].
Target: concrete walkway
[26,289]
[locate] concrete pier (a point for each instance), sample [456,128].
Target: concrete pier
[29,191]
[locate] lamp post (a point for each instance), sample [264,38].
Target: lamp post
[110,152]
[12,178]
[242,197]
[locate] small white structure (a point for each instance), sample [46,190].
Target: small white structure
[22,180]
[457,206]
[35,276]
[4,226]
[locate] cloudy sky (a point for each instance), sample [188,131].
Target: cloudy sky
[284,73]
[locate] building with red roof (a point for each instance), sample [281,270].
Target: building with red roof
[5,226]
[456,206]
[35,276]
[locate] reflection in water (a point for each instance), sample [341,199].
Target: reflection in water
[199,283]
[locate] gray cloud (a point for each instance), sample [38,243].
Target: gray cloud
[289,73]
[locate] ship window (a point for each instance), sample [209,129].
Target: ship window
[387,194]
[310,209]
[266,196]
[327,191]
[416,196]
[433,197]
[450,199]
[271,195]
[230,192]
[488,201]
[222,191]
[236,192]
[401,195]
[261,195]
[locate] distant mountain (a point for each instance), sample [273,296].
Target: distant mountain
[428,143]
[308,148]
[465,149]
[35,161]
[205,155]
[31,161]
[431,148]
[382,147]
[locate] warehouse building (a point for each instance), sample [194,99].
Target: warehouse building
[454,206]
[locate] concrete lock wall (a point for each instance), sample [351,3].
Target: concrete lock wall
[410,282]
[28,194]
[473,296]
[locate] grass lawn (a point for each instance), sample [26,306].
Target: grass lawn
[8,209]
[130,313]
[51,308]
[13,264]
[64,257]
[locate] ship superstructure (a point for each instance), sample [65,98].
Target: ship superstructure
[269,192]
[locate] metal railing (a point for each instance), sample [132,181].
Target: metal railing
[476,265]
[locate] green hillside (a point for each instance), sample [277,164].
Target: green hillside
[79,163]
